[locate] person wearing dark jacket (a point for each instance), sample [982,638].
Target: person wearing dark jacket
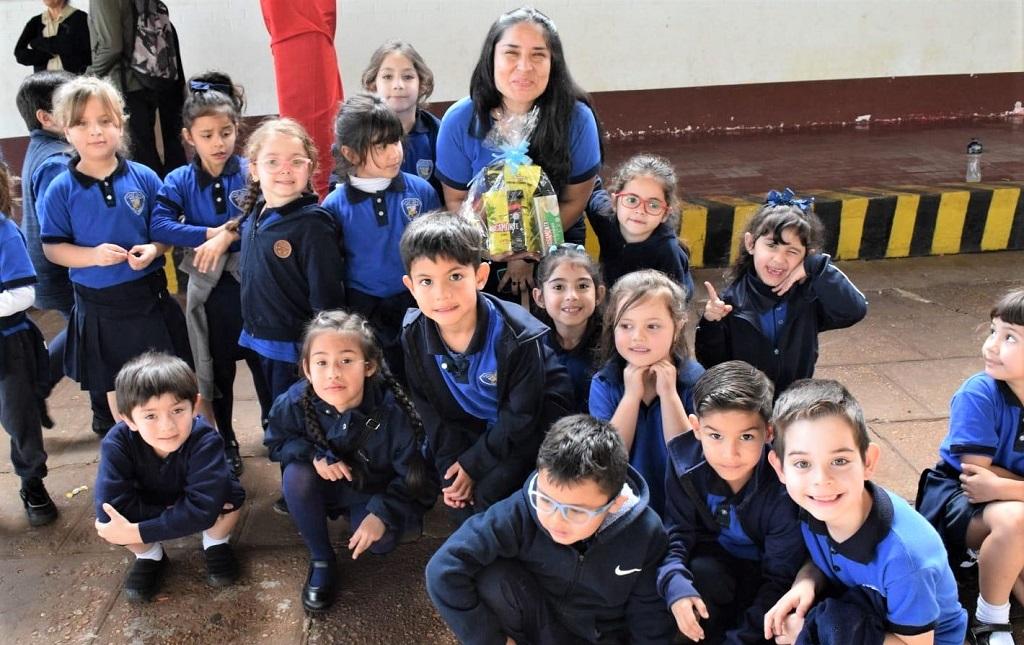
[480,372]
[56,39]
[570,558]
[734,539]
[784,292]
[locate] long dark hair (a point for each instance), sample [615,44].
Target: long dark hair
[364,120]
[212,93]
[771,220]
[548,146]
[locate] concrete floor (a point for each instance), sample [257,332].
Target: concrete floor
[61,584]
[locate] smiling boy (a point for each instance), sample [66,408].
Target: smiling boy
[734,541]
[162,475]
[880,566]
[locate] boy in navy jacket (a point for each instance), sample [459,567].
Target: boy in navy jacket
[162,475]
[482,377]
[571,557]
[734,540]
[880,566]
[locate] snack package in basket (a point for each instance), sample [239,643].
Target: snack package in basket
[511,197]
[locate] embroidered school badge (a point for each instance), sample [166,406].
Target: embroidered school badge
[489,378]
[411,206]
[136,201]
[424,168]
[237,197]
[282,249]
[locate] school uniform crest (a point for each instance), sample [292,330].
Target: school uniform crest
[136,200]
[489,378]
[237,197]
[412,206]
[424,168]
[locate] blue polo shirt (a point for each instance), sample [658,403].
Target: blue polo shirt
[15,265]
[191,201]
[897,556]
[648,455]
[372,225]
[460,155]
[85,211]
[472,376]
[985,419]
[419,148]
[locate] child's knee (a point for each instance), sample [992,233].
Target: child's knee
[298,475]
[1006,519]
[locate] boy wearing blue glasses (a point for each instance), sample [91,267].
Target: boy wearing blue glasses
[570,558]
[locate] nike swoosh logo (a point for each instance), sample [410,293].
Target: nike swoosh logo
[619,571]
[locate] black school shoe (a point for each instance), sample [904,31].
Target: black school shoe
[234,457]
[979,633]
[221,565]
[317,600]
[144,578]
[39,508]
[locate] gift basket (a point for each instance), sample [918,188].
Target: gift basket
[512,197]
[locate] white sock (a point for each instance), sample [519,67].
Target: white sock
[993,614]
[155,552]
[209,541]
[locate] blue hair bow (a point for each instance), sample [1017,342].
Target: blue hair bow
[203,86]
[788,198]
[514,155]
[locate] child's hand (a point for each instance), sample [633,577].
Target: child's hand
[633,381]
[716,309]
[797,276]
[141,256]
[981,484]
[786,618]
[687,612]
[118,530]
[105,255]
[370,530]
[332,472]
[209,252]
[519,275]
[460,492]
[665,378]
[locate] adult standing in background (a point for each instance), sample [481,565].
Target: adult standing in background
[306,69]
[57,39]
[112,32]
[522,66]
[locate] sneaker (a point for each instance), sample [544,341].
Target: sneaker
[39,508]
[234,458]
[280,506]
[144,578]
[221,565]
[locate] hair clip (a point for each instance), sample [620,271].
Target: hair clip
[788,198]
[567,246]
[203,86]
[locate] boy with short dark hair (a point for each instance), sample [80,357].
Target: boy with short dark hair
[881,567]
[571,557]
[480,372]
[162,475]
[734,540]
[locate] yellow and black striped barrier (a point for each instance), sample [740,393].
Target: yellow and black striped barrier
[868,222]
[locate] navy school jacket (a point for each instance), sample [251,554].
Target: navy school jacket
[825,300]
[585,587]
[385,455]
[170,497]
[533,391]
[758,523]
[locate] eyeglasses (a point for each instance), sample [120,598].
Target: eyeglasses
[544,505]
[276,165]
[652,206]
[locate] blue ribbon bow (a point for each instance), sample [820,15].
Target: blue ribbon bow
[788,198]
[203,86]
[514,155]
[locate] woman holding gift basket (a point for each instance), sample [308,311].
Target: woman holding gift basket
[524,112]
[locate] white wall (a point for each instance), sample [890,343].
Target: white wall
[611,45]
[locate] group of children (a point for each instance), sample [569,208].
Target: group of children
[605,485]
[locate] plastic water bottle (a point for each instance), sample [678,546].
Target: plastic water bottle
[974,151]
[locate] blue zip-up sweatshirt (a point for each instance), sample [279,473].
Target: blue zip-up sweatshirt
[758,523]
[292,267]
[384,457]
[586,587]
[825,300]
[47,156]
[169,497]
[533,391]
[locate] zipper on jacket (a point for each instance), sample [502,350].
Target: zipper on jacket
[575,574]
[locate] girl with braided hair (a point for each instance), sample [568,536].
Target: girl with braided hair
[351,444]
